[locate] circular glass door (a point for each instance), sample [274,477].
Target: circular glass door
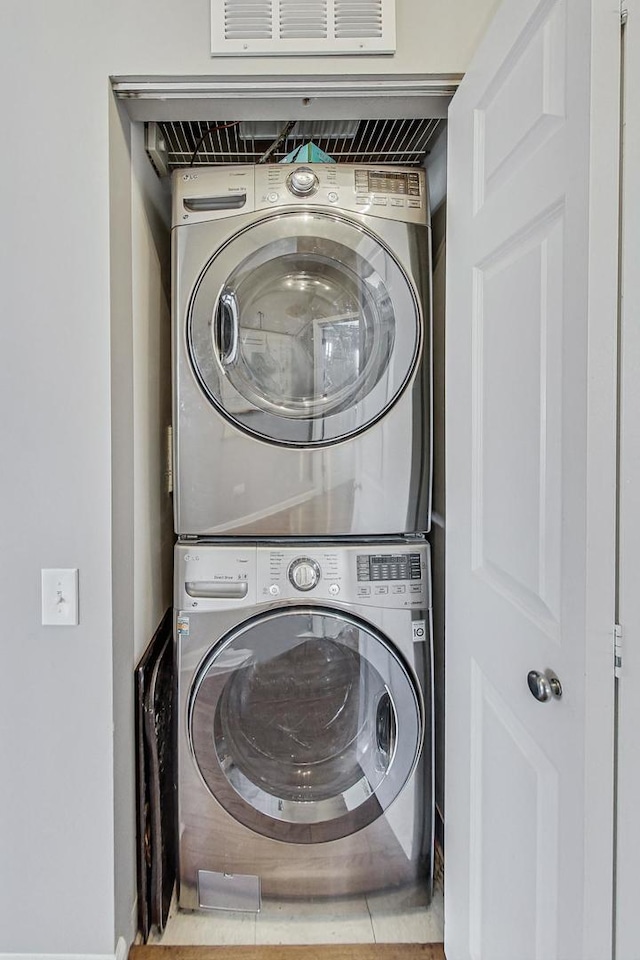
[305,724]
[303,329]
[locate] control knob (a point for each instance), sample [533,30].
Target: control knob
[304,573]
[302,182]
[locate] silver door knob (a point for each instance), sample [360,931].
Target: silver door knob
[544,686]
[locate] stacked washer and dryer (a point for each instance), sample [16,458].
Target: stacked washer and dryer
[302,472]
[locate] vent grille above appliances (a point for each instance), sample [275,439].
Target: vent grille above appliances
[302,27]
[195,143]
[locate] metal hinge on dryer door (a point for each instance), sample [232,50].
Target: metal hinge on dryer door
[617,650]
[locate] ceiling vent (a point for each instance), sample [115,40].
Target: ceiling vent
[302,27]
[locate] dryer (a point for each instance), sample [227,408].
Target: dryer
[305,745]
[302,350]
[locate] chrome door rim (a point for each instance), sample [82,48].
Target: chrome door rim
[305,821]
[279,429]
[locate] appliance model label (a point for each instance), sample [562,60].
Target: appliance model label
[182,624]
[419,630]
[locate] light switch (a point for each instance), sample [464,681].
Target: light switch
[60,598]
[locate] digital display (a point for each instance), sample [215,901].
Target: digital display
[389,566]
[383,181]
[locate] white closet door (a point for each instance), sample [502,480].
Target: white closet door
[628,795]
[531,453]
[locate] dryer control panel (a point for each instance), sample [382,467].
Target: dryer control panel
[211,193]
[210,576]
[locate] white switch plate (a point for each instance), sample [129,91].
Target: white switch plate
[60,598]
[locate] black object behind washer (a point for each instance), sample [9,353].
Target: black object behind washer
[155,778]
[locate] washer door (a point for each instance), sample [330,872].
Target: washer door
[303,329]
[305,724]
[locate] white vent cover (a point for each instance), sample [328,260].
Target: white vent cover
[307,27]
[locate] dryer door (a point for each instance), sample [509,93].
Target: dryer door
[303,329]
[305,724]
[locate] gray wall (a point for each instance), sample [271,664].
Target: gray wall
[142,527]
[83,324]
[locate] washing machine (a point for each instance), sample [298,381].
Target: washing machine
[302,350]
[305,746]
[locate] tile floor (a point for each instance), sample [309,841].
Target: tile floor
[401,916]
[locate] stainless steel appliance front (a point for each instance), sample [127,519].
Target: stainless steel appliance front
[305,736]
[301,326]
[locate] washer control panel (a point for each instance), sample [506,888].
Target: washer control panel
[211,576]
[395,577]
